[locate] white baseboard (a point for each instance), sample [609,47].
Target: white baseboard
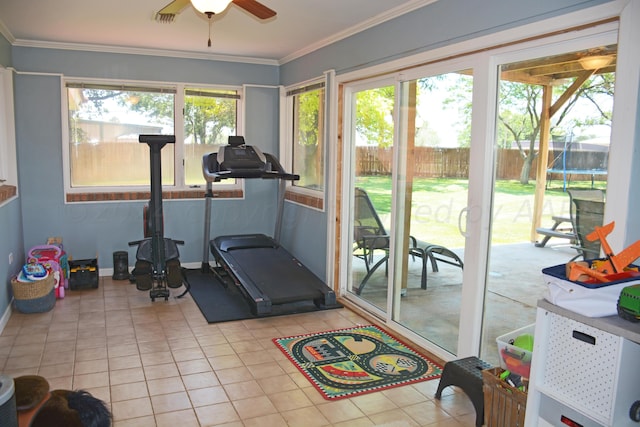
[5,317]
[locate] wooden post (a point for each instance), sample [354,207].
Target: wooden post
[543,155]
[409,169]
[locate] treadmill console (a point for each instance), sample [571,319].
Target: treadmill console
[242,160]
[238,160]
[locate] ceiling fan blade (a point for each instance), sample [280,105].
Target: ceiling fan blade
[174,7]
[255,8]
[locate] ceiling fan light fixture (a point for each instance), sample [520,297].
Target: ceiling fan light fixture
[210,6]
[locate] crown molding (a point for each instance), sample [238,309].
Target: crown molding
[376,20]
[142,51]
[6,33]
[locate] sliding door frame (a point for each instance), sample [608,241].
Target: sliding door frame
[481,55]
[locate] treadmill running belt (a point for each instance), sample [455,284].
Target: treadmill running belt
[276,273]
[267,274]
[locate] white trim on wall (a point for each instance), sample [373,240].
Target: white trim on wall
[8,157]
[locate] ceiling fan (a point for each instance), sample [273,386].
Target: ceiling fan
[212,7]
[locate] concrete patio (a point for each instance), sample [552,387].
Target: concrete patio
[514,285]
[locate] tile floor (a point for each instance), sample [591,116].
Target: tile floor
[161,364]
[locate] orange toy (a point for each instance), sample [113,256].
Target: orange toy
[614,267]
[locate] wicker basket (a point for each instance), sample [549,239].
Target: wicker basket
[34,297]
[504,405]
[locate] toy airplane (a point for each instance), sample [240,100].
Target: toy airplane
[614,267]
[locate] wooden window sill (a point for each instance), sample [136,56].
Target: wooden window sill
[7,192]
[306,200]
[145,195]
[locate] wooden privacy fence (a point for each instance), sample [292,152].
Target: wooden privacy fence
[119,163]
[430,162]
[127,163]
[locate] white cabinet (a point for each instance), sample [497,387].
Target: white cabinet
[585,371]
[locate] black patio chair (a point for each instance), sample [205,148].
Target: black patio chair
[370,235]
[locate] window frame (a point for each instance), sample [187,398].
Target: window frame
[309,197]
[8,155]
[179,189]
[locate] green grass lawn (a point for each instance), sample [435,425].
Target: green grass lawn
[437,203]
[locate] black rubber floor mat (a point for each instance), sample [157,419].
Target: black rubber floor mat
[223,304]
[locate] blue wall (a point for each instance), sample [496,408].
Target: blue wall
[5,52]
[11,242]
[99,229]
[102,228]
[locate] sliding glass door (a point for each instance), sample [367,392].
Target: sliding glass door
[553,121]
[372,134]
[449,169]
[410,162]
[432,194]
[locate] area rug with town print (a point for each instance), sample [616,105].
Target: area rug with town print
[363,359]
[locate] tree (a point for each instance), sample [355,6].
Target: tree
[374,120]
[207,113]
[520,110]
[207,117]
[307,111]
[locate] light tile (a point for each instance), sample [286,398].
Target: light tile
[207,396]
[56,371]
[124,376]
[163,365]
[165,370]
[170,402]
[129,391]
[305,417]
[201,380]
[184,418]
[92,353]
[404,396]
[157,358]
[395,417]
[133,408]
[340,410]
[195,366]
[426,414]
[254,407]
[373,403]
[289,400]
[98,379]
[217,414]
[225,362]
[243,390]
[165,386]
[277,384]
[233,375]
[91,366]
[125,362]
[272,420]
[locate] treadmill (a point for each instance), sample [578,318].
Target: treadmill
[264,271]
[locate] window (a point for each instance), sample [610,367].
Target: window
[210,116]
[105,120]
[306,149]
[8,168]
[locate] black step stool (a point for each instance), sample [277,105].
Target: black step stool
[467,374]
